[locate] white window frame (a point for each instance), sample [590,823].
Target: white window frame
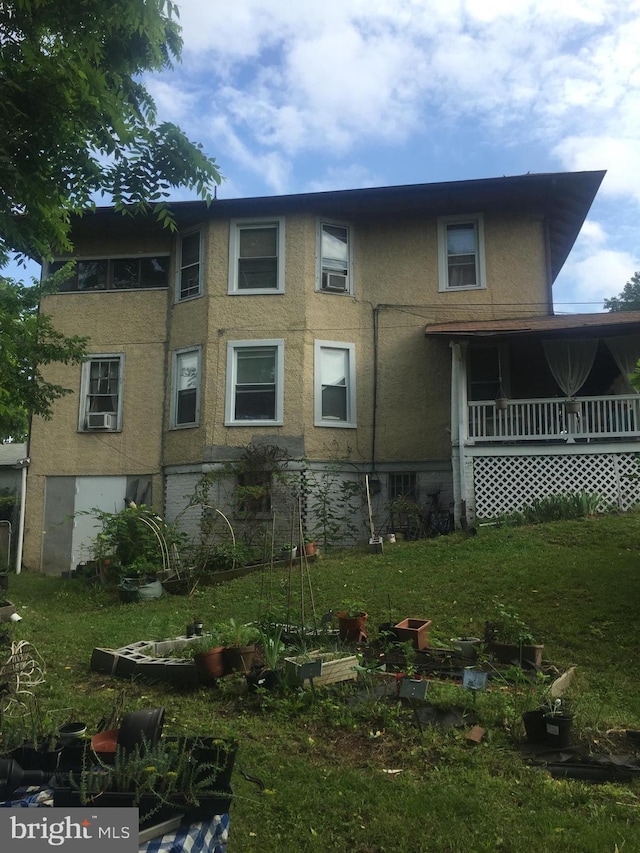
[236,227]
[477,220]
[350,349]
[84,390]
[180,266]
[197,350]
[320,266]
[233,347]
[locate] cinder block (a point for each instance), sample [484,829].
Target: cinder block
[143,646]
[127,663]
[104,660]
[181,673]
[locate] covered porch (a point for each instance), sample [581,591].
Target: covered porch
[539,387]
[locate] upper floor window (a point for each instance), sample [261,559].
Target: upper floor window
[335,258]
[190,279]
[256,257]
[101,393]
[335,384]
[185,401]
[116,273]
[255,375]
[461,252]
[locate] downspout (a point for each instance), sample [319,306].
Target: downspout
[23,464]
[458,431]
[374,417]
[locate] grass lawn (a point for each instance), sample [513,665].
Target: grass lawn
[323,760]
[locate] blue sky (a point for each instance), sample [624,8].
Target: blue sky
[334,94]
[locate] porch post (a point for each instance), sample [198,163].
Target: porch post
[459,423]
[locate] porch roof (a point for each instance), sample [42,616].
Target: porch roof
[617,322]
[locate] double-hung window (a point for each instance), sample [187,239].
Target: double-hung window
[255,372]
[101,393]
[461,252]
[335,258]
[256,256]
[335,384]
[190,266]
[185,402]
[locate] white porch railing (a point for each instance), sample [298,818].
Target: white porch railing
[548,419]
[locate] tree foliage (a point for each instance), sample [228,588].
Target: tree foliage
[628,299]
[28,341]
[75,120]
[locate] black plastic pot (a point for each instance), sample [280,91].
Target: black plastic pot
[139,727]
[535,726]
[13,776]
[268,679]
[558,730]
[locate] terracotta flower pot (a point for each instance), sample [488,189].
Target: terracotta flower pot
[210,664]
[352,629]
[238,658]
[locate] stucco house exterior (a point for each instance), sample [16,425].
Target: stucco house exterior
[366,331]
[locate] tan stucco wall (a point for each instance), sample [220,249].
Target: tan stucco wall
[395,271]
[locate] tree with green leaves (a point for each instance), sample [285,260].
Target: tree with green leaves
[28,341]
[75,119]
[628,299]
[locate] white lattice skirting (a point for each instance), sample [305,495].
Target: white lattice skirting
[506,483]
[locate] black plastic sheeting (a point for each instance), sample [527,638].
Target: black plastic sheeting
[577,763]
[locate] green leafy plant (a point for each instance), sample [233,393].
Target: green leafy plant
[333,500]
[560,507]
[353,608]
[135,539]
[236,633]
[213,639]
[506,626]
[272,646]
[168,770]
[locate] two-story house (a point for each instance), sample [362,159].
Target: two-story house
[369,331]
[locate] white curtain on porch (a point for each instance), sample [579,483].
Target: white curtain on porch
[626,352]
[570,362]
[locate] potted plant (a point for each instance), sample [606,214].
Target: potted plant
[572,406]
[309,547]
[172,776]
[289,551]
[268,676]
[239,646]
[558,721]
[352,621]
[208,656]
[509,639]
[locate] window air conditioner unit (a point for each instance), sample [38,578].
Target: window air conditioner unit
[334,281]
[101,420]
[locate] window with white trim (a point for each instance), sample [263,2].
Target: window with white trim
[101,393]
[190,266]
[185,401]
[256,256]
[461,252]
[334,274]
[255,376]
[335,384]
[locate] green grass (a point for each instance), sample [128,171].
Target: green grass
[576,584]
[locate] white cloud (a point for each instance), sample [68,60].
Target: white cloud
[294,96]
[601,274]
[618,154]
